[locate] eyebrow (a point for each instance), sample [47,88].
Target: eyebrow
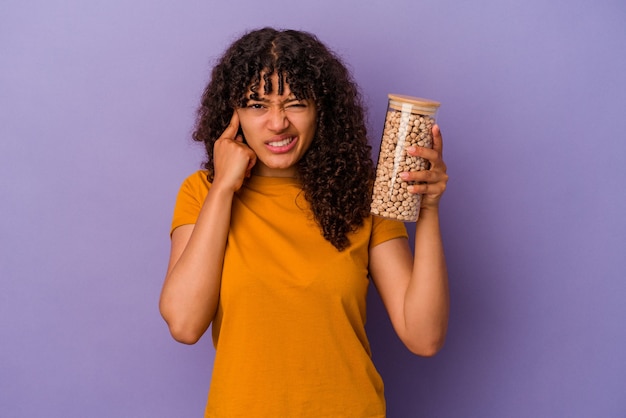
[265,100]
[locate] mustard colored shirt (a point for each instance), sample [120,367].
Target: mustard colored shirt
[289,333]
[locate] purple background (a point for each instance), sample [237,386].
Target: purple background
[97,102]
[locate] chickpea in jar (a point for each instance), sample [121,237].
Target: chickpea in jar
[408,122]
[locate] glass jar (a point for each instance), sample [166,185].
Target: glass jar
[408,122]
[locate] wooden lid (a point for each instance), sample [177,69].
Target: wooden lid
[414,104]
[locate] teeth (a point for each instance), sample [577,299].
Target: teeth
[281,143]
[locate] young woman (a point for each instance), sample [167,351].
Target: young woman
[273,243]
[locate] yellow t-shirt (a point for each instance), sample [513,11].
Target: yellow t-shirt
[289,332]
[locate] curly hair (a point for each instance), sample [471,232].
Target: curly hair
[337,170]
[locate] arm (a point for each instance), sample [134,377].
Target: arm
[414,286]
[190,292]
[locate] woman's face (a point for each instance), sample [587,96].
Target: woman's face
[278,128]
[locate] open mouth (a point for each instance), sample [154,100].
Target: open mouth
[281,143]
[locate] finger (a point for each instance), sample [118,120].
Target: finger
[437,139]
[432,185]
[251,163]
[429,154]
[426,189]
[233,127]
[424,176]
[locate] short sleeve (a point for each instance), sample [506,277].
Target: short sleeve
[386,229]
[190,199]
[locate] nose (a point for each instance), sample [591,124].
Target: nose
[277,120]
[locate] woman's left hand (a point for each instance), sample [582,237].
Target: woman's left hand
[429,183]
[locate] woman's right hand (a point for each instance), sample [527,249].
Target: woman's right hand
[232,159]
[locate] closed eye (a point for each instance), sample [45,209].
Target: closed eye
[297,105]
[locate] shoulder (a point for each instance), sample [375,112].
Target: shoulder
[191,195]
[198,179]
[196,184]
[385,230]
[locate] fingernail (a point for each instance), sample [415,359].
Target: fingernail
[404,175]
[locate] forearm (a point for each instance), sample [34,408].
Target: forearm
[191,290]
[426,305]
